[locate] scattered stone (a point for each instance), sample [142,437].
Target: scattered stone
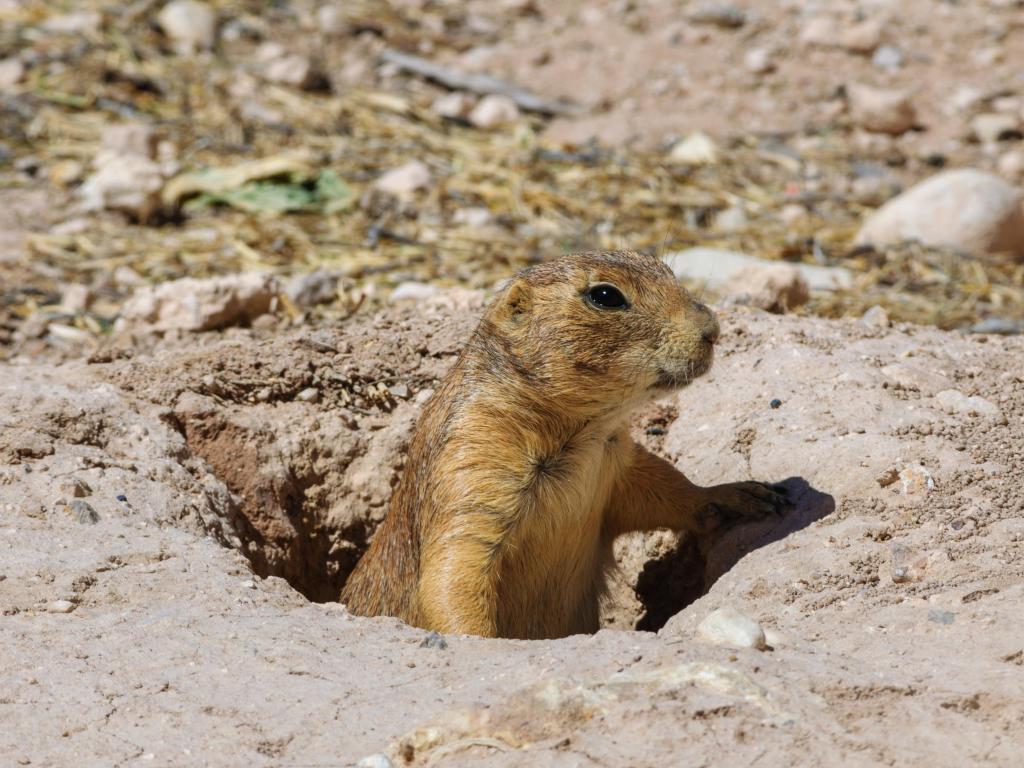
[126,183]
[190,25]
[137,139]
[863,37]
[916,480]
[760,61]
[881,110]
[455,105]
[493,112]
[1011,165]
[375,761]
[248,584]
[888,477]
[83,512]
[791,213]
[1004,326]
[413,291]
[954,401]
[821,31]
[313,288]
[434,640]
[775,404]
[190,304]
[78,23]
[731,219]
[76,298]
[910,566]
[400,391]
[915,377]
[65,173]
[888,57]
[966,209]
[715,267]
[60,606]
[774,287]
[875,317]
[12,72]
[309,395]
[331,19]
[696,149]
[719,15]
[292,69]
[405,179]
[990,127]
[75,488]
[774,638]
[727,626]
[476,218]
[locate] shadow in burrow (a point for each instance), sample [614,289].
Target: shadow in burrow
[669,583]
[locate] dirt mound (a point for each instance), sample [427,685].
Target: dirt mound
[155,499]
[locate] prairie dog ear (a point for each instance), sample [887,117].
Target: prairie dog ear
[515,305]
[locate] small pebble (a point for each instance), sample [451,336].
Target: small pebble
[776,403]
[250,584]
[61,606]
[876,317]
[888,57]
[122,498]
[493,112]
[727,626]
[434,640]
[405,179]
[375,761]
[84,513]
[399,390]
[309,395]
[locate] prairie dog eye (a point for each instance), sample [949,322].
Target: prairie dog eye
[605,296]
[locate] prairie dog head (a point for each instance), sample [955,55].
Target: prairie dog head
[607,328]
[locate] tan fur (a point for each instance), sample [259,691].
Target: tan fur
[521,471]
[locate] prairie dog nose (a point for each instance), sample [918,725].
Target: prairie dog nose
[710,330]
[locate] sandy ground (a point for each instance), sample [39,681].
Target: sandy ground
[170,650]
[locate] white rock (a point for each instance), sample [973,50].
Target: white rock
[721,15]
[881,110]
[965,209]
[731,219]
[190,304]
[331,19]
[12,72]
[863,37]
[313,288]
[405,179]
[309,395]
[991,127]
[916,480]
[729,627]
[473,217]
[60,606]
[792,213]
[1011,165]
[77,23]
[760,61]
[715,267]
[954,401]
[127,183]
[888,57]
[875,317]
[413,291]
[695,149]
[774,287]
[191,25]
[822,31]
[137,139]
[375,761]
[76,298]
[493,112]
[280,66]
[455,105]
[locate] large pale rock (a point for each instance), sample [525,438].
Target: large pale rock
[716,268]
[965,209]
[881,110]
[199,305]
[774,287]
[190,25]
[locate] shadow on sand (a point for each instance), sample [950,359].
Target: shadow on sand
[671,582]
